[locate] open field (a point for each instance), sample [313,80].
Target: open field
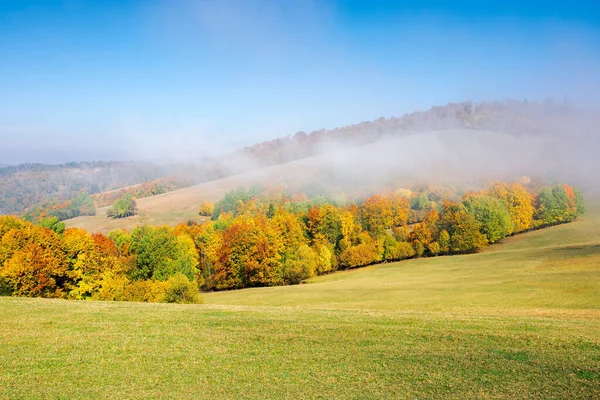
[520,320]
[434,156]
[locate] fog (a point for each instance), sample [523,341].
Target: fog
[556,143]
[178,81]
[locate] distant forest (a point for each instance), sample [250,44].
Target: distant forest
[27,185]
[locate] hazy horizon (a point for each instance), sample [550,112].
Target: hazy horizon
[182,79]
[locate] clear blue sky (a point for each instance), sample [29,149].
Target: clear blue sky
[118,79]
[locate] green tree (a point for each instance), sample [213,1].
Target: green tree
[52,223]
[492,215]
[558,204]
[156,249]
[420,202]
[123,207]
[300,266]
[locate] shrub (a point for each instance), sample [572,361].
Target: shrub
[145,291]
[405,250]
[112,287]
[444,241]
[179,289]
[324,259]
[397,250]
[389,248]
[359,255]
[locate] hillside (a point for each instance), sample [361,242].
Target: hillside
[26,185]
[458,155]
[520,320]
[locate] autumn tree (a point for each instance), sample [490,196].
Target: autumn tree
[367,251]
[400,209]
[376,215]
[36,271]
[249,255]
[462,229]
[206,209]
[518,201]
[33,263]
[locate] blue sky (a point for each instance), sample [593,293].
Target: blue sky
[162,79]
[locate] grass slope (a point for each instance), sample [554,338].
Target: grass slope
[520,320]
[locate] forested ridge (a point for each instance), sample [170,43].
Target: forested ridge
[260,239]
[27,185]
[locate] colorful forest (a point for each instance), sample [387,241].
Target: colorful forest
[82,204]
[255,239]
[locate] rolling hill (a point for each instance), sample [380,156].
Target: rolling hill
[26,185]
[458,155]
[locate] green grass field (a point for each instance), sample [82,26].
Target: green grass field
[519,320]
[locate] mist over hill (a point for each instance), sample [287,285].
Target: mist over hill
[549,139]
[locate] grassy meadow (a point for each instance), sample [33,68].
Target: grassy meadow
[519,320]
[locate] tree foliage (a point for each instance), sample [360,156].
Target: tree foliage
[123,207]
[494,219]
[558,204]
[519,203]
[462,228]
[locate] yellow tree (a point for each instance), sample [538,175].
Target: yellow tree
[36,271]
[376,215]
[519,203]
[400,209]
[206,209]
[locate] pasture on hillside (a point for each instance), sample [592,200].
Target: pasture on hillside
[519,320]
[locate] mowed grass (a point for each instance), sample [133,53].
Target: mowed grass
[520,320]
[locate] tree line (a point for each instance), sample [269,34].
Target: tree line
[24,186]
[51,213]
[255,239]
